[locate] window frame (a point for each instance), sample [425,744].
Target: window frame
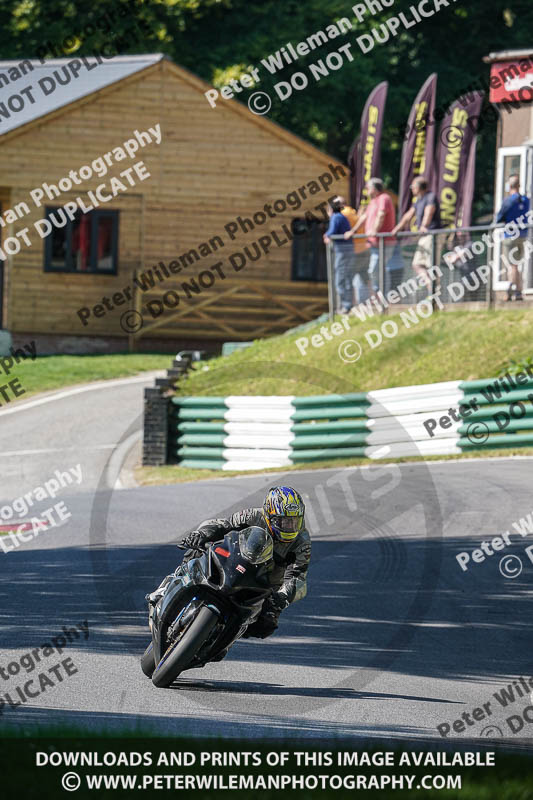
[96,215]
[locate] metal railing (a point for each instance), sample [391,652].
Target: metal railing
[462,265]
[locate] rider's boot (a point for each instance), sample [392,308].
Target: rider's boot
[152,598]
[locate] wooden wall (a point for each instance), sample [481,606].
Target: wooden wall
[5,202]
[212,165]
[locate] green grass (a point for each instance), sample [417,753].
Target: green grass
[154,476]
[460,345]
[55,372]
[447,346]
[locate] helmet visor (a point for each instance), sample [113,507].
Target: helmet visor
[287,524]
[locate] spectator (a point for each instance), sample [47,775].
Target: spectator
[359,246]
[426,211]
[513,207]
[344,256]
[460,257]
[378,217]
[394,269]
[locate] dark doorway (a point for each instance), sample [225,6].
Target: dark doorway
[308,250]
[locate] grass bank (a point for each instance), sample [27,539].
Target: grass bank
[154,476]
[47,373]
[447,346]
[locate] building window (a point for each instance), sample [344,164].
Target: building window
[87,243]
[308,250]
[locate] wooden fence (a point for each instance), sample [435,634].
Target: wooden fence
[232,308]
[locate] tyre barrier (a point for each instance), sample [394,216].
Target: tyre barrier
[447,418]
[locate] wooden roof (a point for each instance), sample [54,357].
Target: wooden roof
[157,62]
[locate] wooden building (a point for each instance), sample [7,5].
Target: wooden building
[82,233]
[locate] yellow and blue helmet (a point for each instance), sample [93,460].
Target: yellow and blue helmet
[284,511]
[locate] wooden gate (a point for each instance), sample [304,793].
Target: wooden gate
[235,309]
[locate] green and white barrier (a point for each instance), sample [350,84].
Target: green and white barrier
[235,433]
[239,433]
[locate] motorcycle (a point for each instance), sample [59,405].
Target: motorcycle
[208,604]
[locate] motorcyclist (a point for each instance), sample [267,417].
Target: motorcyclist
[282,515]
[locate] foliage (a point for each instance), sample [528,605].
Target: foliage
[215,38]
[514,367]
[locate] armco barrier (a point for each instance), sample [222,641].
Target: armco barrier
[239,433]
[262,432]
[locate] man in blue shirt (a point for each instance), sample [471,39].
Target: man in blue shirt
[513,208]
[344,256]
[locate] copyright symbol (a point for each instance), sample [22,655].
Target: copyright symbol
[477,433]
[131,321]
[491,731]
[259,103]
[451,136]
[350,351]
[71,781]
[511,566]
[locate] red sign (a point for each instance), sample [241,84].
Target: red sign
[222,552]
[512,81]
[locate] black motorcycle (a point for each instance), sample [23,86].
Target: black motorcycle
[208,604]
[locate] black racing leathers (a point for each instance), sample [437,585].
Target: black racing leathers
[291,559]
[287,576]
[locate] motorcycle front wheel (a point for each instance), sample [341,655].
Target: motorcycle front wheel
[179,656]
[148,661]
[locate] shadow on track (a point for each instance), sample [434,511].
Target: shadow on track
[333,693]
[471,626]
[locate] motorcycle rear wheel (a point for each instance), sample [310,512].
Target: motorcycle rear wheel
[148,661]
[185,648]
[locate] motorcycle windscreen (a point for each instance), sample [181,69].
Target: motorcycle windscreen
[256,545]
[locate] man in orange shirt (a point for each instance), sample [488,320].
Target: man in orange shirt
[359,246]
[352,216]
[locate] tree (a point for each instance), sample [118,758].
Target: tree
[220,39]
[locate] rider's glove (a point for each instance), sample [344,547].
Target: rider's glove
[194,540]
[278,601]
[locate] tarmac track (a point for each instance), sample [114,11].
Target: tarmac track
[392,640]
